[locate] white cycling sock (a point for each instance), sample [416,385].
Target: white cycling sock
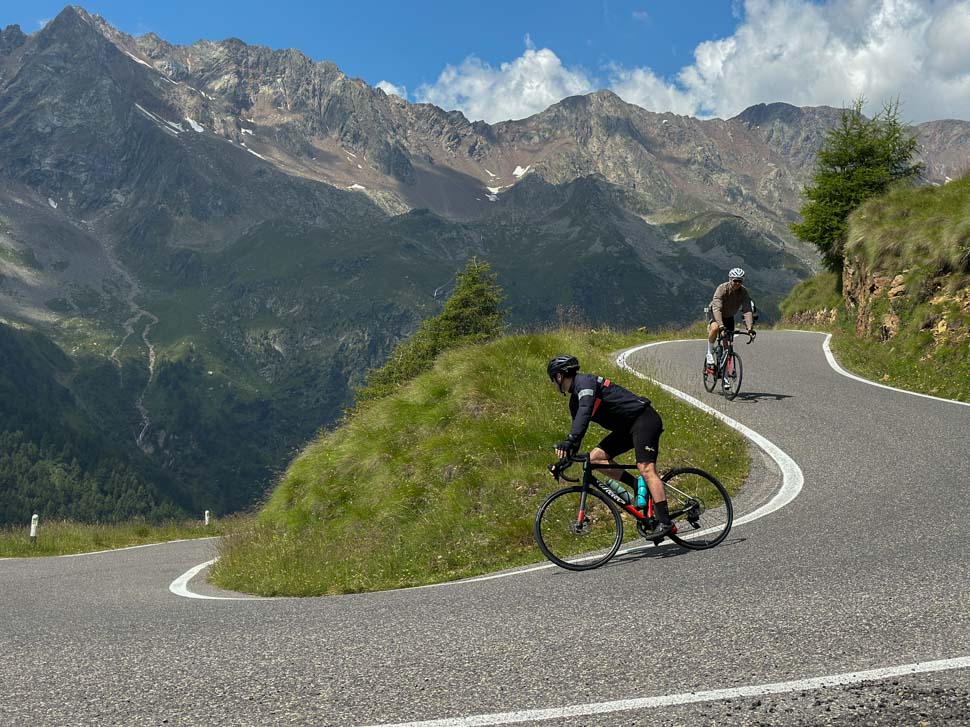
[709,352]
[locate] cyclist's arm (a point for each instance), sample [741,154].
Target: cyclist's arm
[747,310]
[586,394]
[716,304]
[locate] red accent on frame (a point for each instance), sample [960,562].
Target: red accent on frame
[582,513]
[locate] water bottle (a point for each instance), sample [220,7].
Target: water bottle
[619,489]
[641,493]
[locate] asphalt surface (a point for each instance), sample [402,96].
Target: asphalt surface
[866,569]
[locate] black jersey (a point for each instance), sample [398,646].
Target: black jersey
[594,398]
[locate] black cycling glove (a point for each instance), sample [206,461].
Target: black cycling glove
[568,446]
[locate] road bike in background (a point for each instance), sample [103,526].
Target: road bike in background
[727,364]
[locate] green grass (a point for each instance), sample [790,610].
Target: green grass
[817,293]
[63,537]
[441,480]
[926,227]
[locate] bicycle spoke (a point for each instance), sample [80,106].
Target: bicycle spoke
[699,506]
[710,376]
[578,539]
[732,376]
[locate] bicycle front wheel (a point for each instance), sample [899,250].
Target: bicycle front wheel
[732,375]
[710,376]
[576,535]
[699,506]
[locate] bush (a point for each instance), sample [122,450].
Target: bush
[471,315]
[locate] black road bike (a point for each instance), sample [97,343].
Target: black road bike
[727,363]
[581,527]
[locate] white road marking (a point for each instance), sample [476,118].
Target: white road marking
[133,547]
[835,365]
[115,550]
[713,695]
[180,587]
[792,480]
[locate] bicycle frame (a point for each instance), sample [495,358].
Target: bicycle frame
[590,481]
[725,344]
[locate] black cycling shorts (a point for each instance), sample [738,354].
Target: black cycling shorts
[728,320]
[643,437]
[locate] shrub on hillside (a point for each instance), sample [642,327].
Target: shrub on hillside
[471,315]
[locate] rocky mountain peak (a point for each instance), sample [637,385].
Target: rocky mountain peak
[11,37]
[760,114]
[71,18]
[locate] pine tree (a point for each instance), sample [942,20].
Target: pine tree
[861,158]
[471,315]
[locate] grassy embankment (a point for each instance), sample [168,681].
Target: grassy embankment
[63,537]
[441,480]
[922,235]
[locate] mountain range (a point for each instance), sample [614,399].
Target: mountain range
[223,238]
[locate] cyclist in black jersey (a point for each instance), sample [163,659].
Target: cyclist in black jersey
[632,421]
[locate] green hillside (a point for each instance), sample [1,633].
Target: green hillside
[59,457]
[904,311]
[441,479]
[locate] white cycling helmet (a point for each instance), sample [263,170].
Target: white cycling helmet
[736,274]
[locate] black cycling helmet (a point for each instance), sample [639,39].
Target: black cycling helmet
[564,364]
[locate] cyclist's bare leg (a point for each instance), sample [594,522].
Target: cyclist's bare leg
[712,332]
[656,486]
[599,456]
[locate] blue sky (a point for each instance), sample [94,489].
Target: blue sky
[504,59]
[410,42]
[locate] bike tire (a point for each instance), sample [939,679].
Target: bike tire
[576,545]
[699,506]
[710,376]
[732,375]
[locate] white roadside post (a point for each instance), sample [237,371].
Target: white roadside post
[206,517]
[33,529]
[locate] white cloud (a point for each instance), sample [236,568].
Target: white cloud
[391,90]
[811,54]
[529,84]
[42,22]
[642,87]
[641,16]
[803,52]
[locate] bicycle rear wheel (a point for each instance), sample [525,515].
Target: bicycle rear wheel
[578,539]
[699,506]
[732,375]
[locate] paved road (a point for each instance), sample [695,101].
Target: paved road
[868,568]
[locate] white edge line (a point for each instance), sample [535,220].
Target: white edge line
[133,547]
[180,587]
[114,550]
[792,480]
[835,365]
[758,690]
